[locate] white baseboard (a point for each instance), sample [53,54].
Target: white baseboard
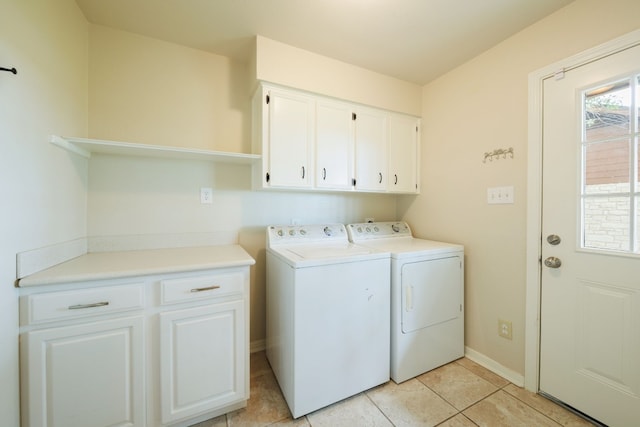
[495,367]
[257,345]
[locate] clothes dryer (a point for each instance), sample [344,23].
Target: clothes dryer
[328,315]
[427,297]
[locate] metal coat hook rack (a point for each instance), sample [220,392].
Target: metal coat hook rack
[11,70]
[497,153]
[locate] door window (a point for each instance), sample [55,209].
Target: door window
[610,198]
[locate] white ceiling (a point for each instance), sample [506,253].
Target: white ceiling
[413,40]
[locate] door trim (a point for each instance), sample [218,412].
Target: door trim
[534,193]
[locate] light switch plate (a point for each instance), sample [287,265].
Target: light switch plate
[500,195]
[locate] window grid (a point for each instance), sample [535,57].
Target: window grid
[607,198]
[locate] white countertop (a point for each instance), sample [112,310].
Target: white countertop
[111,265]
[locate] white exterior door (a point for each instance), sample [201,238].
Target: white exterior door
[590,290]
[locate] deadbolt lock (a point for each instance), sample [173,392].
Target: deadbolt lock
[553,239]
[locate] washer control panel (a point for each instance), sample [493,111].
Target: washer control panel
[288,234]
[378,230]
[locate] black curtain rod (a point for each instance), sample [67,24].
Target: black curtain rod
[11,70]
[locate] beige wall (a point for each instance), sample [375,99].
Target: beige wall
[132,98]
[139,89]
[147,91]
[289,66]
[43,188]
[476,108]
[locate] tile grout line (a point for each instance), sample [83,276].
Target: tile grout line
[375,404]
[535,409]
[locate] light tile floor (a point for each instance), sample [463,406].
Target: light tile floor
[459,394]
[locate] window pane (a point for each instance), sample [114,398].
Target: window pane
[607,111]
[607,167]
[637,103]
[637,243]
[606,223]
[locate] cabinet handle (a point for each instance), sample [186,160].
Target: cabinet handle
[396,182]
[324,173]
[81,306]
[303,172]
[208,288]
[380,178]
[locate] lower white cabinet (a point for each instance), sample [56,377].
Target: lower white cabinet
[91,374]
[169,350]
[202,356]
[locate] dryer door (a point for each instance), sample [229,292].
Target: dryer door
[431,292]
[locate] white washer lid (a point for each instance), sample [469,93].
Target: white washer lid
[303,255]
[329,251]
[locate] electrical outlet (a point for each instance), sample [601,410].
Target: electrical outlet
[206,195]
[505,329]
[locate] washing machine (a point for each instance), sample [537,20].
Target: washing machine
[328,315]
[427,297]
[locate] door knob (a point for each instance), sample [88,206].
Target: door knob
[553,239]
[552,262]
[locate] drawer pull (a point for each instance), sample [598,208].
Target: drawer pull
[209,288]
[95,304]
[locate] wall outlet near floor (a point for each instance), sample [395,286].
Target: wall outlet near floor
[505,329]
[206,195]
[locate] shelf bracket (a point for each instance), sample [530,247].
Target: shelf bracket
[61,142]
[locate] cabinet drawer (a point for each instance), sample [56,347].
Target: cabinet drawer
[200,287]
[52,306]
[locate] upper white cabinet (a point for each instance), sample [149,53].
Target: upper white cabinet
[334,147]
[403,154]
[371,149]
[314,142]
[287,124]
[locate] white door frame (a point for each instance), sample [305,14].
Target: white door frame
[534,194]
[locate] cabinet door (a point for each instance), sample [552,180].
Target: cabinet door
[202,359]
[84,375]
[334,145]
[403,154]
[290,138]
[371,150]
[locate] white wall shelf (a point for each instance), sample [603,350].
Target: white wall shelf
[86,146]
